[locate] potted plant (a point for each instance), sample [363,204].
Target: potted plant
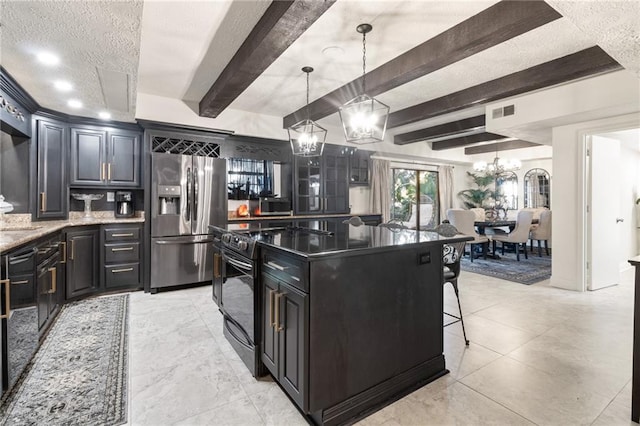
[477,197]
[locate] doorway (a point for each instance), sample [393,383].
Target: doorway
[612,166]
[415,200]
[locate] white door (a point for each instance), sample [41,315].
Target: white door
[604,205]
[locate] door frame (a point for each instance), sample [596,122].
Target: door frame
[584,136]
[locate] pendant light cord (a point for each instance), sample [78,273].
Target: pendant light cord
[308,95]
[364,62]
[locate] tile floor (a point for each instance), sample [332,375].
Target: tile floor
[538,355]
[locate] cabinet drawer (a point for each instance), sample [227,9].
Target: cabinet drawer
[121,252]
[285,268]
[121,234]
[122,275]
[23,291]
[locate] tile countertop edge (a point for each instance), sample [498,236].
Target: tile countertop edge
[635,261]
[48,227]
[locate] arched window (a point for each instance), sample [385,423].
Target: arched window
[537,191]
[507,187]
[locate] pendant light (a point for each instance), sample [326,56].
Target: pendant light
[364,119]
[306,136]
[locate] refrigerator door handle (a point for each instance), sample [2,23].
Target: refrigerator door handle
[188,212]
[167,242]
[195,194]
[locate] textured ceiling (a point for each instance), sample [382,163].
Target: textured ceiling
[89,37]
[177,49]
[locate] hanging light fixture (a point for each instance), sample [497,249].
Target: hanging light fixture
[364,119]
[499,165]
[306,136]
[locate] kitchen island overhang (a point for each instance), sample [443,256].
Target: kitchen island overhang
[368,304]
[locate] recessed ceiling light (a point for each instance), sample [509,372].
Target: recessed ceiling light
[63,86]
[104,115]
[74,103]
[48,58]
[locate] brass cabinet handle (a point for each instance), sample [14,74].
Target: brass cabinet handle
[122,249]
[19,282]
[115,271]
[271,316]
[130,234]
[216,265]
[7,297]
[64,252]
[108,171]
[102,173]
[43,202]
[73,250]
[278,326]
[54,283]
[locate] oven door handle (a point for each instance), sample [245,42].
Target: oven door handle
[245,266]
[244,342]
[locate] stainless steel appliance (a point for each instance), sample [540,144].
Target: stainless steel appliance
[270,206]
[237,298]
[124,204]
[19,313]
[188,193]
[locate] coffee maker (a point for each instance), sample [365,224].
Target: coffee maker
[124,204]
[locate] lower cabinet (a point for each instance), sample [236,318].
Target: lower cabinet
[83,261]
[47,280]
[121,256]
[284,335]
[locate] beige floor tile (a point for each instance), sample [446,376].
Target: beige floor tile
[241,413]
[276,409]
[462,360]
[492,335]
[541,397]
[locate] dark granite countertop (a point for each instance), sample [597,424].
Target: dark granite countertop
[322,238]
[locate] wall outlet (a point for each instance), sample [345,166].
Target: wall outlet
[111,197]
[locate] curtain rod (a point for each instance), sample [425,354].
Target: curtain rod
[397,160]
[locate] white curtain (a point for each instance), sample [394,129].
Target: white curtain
[380,200]
[445,187]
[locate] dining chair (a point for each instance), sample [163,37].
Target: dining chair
[481,214]
[518,237]
[542,232]
[451,256]
[464,221]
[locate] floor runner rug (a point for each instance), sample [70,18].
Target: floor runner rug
[79,374]
[526,271]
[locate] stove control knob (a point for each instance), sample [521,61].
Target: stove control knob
[226,238]
[243,245]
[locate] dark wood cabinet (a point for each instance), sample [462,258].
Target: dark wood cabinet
[285,327]
[105,158]
[83,261]
[359,167]
[52,200]
[321,183]
[121,256]
[48,290]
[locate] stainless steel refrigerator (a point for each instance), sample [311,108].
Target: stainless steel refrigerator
[188,193]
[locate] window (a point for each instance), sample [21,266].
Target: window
[420,212]
[507,190]
[536,188]
[249,178]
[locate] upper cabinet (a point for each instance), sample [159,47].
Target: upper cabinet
[359,168]
[52,199]
[321,183]
[105,158]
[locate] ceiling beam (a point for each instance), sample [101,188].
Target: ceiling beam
[500,146]
[492,26]
[442,131]
[584,63]
[465,140]
[282,23]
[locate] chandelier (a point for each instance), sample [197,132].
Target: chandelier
[306,136]
[364,119]
[499,166]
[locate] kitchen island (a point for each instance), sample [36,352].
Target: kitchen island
[351,315]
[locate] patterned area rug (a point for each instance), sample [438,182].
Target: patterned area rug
[527,271]
[79,374]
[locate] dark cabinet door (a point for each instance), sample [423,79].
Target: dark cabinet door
[83,262]
[123,163]
[292,325]
[88,157]
[336,181]
[52,198]
[359,168]
[54,290]
[307,187]
[269,333]
[43,284]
